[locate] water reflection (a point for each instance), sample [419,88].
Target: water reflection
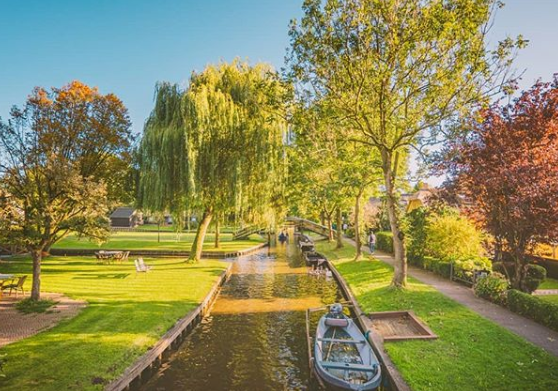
[255,337]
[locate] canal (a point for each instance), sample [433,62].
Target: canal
[255,337]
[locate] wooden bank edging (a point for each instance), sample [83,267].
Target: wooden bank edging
[183,326]
[397,383]
[158,253]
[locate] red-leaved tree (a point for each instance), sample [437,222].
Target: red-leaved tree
[507,167]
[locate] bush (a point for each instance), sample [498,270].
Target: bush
[451,236]
[534,276]
[465,269]
[437,266]
[384,241]
[416,221]
[540,311]
[492,287]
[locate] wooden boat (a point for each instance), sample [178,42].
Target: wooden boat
[312,258]
[306,246]
[343,357]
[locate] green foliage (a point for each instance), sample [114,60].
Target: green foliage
[451,237]
[470,349]
[64,160]
[493,287]
[438,266]
[28,306]
[465,269]
[389,73]
[384,241]
[533,277]
[416,235]
[541,311]
[225,133]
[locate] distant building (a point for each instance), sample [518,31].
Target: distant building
[420,197]
[125,217]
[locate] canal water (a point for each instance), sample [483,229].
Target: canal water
[255,337]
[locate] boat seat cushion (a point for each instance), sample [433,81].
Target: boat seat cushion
[334,322]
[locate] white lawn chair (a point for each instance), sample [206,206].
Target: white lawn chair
[141,267]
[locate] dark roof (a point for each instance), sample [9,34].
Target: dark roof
[124,212]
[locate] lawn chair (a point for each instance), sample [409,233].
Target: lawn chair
[143,265]
[118,257]
[140,266]
[17,286]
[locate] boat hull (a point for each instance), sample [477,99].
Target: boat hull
[346,361]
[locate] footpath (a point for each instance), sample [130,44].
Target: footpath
[533,332]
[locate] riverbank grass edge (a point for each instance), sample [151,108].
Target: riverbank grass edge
[127,313]
[471,353]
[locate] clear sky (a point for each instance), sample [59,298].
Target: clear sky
[126,46]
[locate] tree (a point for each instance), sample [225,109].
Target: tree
[394,71]
[216,147]
[60,156]
[507,168]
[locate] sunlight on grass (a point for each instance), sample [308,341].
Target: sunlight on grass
[126,314]
[149,241]
[472,353]
[549,283]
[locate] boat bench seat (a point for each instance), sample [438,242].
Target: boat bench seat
[349,366]
[341,340]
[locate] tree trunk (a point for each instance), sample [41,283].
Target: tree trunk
[400,266]
[322,218]
[197,246]
[329,229]
[37,255]
[217,235]
[339,230]
[357,227]
[519,270]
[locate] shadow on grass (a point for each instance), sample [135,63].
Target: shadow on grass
[92,276]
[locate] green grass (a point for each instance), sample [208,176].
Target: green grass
[471,353]
[126,314]
[148,241]
[549,283]
[170,228]
[28,306]
[550,298]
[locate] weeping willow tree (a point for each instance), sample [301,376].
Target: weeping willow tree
[216,147]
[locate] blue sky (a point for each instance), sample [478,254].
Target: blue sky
[126,46]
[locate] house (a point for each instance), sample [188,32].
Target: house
[125,217]
[420,198]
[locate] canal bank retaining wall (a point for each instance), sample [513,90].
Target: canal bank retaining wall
[158,253]
[394,378]
[143,368]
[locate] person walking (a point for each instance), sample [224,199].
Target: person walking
[372,242]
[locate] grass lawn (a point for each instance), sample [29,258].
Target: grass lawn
[170,228]
[550,298]
[126,314]
[549,283]
[471,353]
[168,241]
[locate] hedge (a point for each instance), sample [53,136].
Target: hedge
[384,241]
[540,311]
